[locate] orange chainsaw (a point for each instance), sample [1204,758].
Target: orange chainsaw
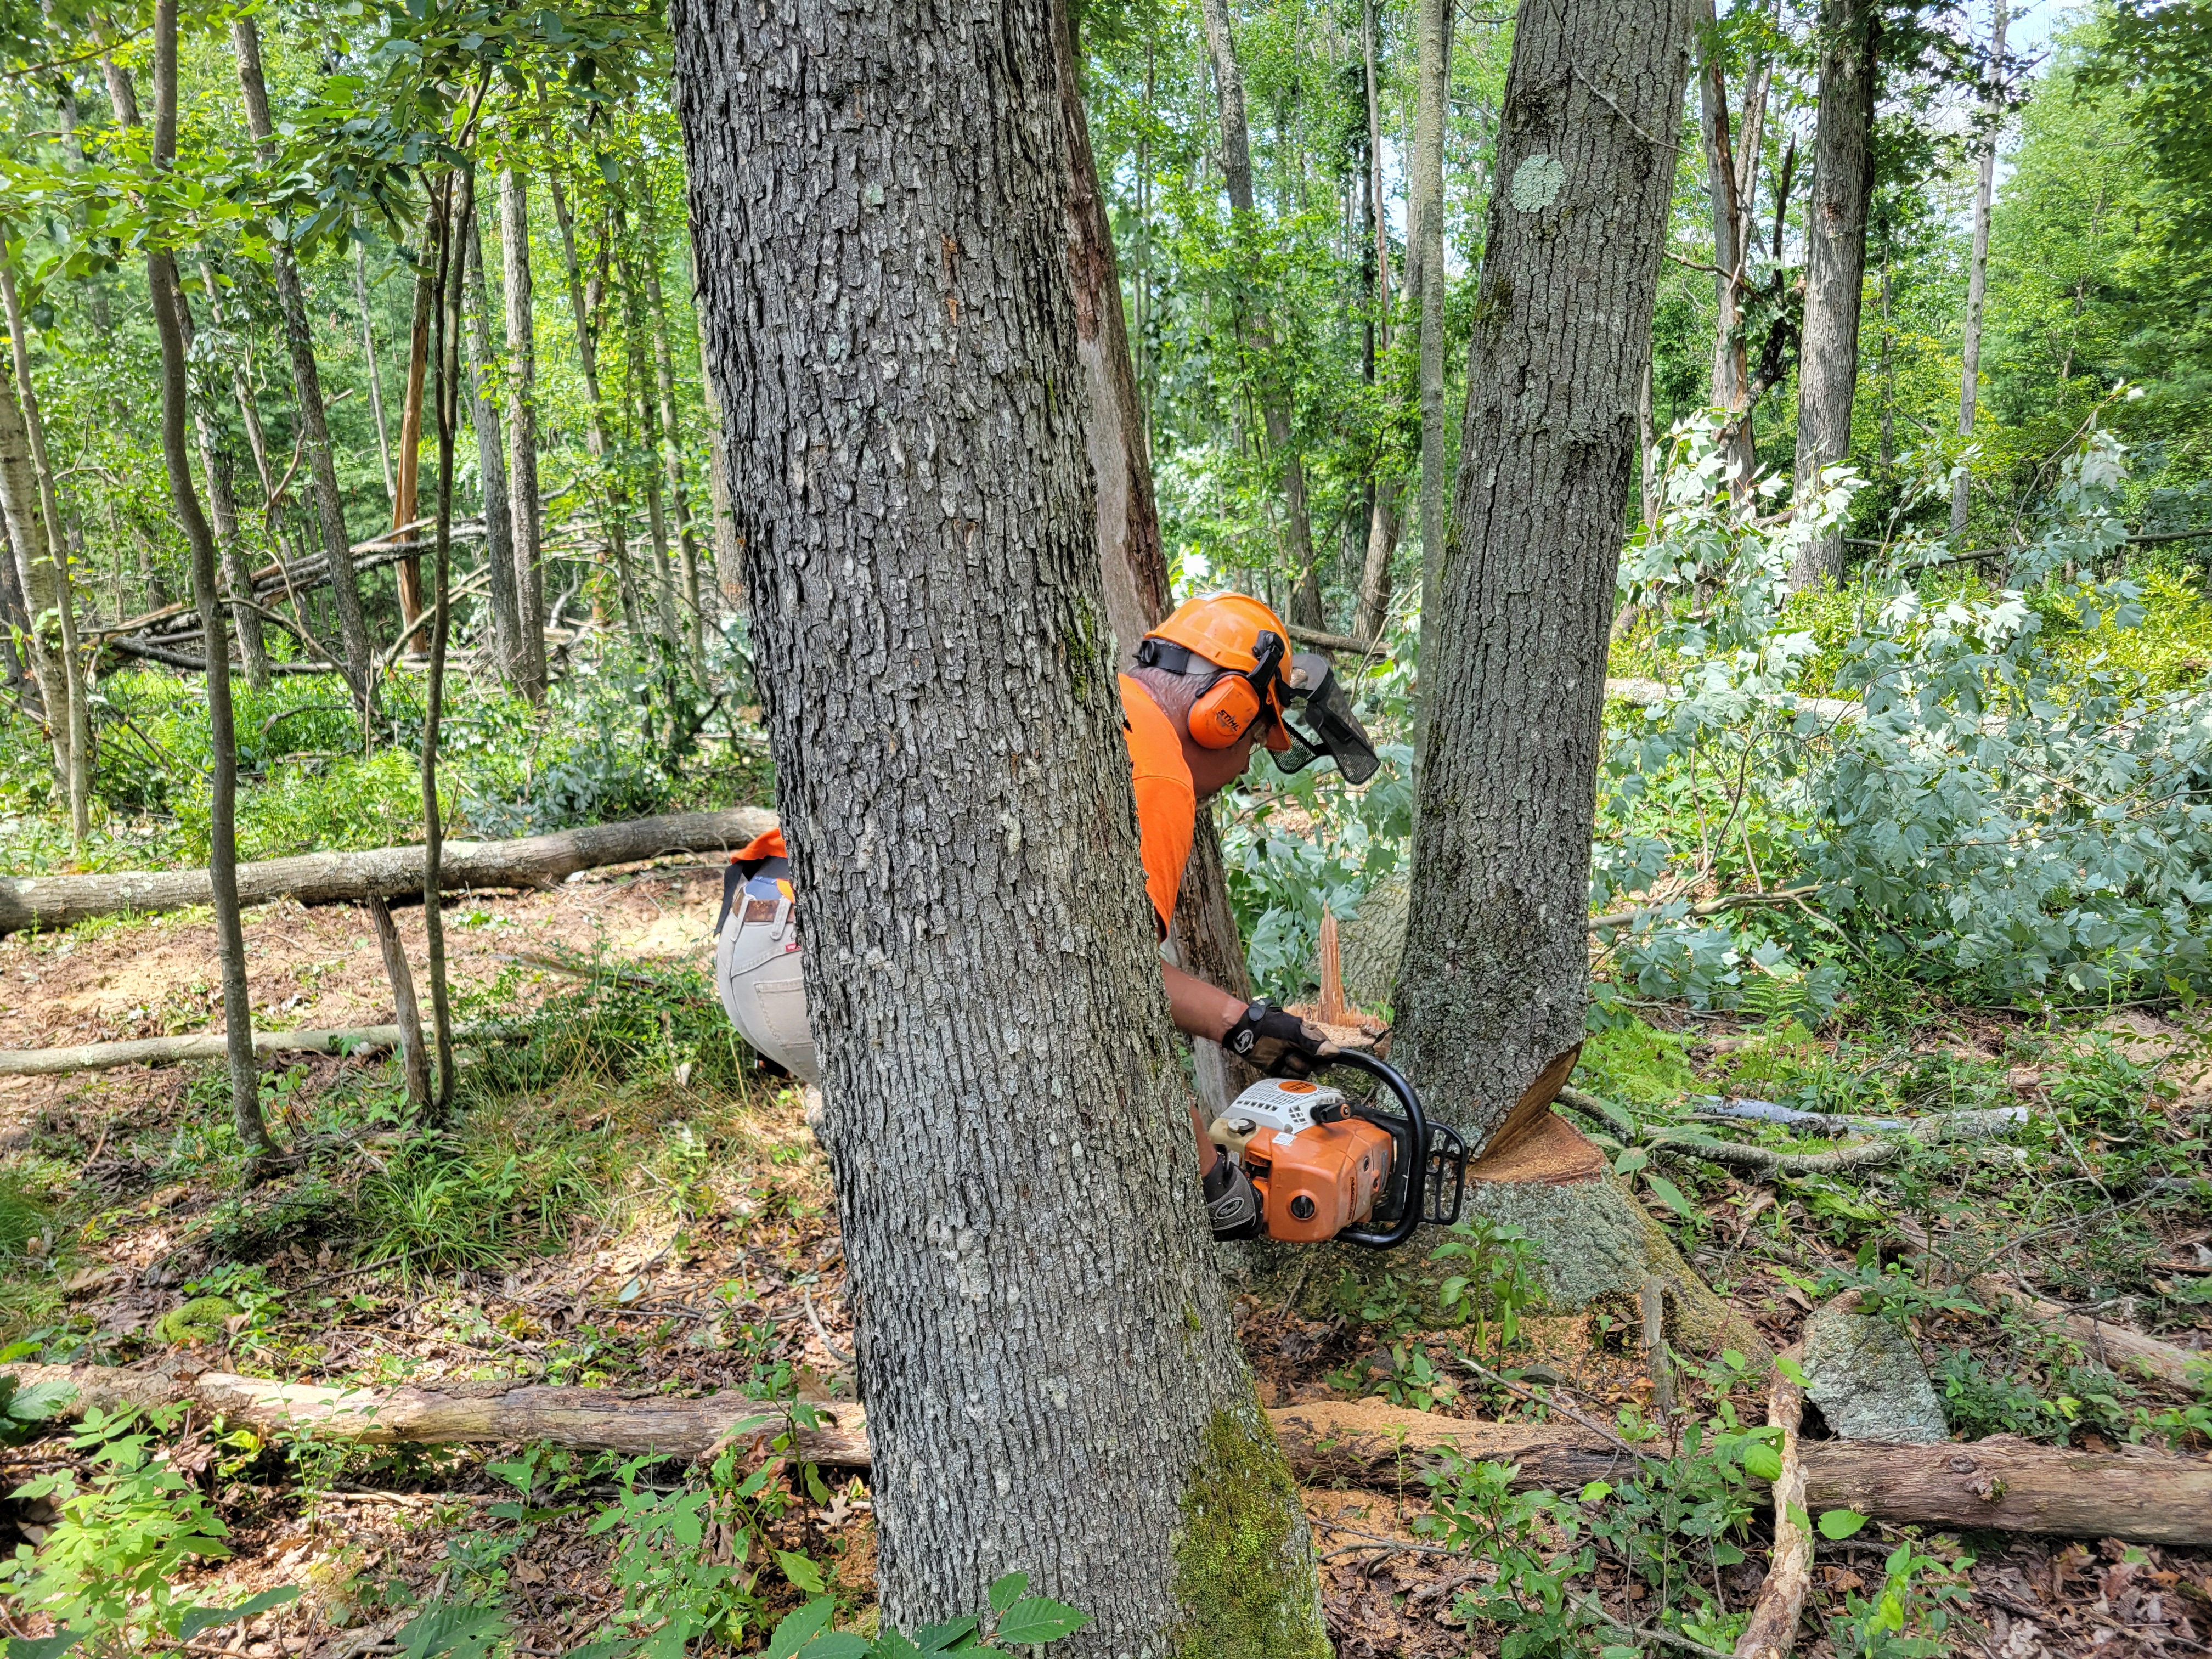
[1327,1166]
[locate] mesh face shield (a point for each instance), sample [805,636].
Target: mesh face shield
[1319,718]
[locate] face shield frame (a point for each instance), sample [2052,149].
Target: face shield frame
[1317,718]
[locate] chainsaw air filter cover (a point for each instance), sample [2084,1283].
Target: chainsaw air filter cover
[1317,1168]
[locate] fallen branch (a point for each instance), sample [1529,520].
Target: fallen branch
[1773,1628]
[1710,907]
[1329,642]
[2115,1344]
[1766,1164]
[161,1051]
[1953,1126]
[52,902]
[146,653]
[2003,1485]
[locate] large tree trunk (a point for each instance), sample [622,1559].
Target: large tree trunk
[56,901]
[1495,973]
[1432,52]
[1132,563]
[729,557]
[1978,274]
[522,429]
[1835,261]
[1020,1213]
[222,853]
[42,570]
[307,381]
[491,464]
[1274,406]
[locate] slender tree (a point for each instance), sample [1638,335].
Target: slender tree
[1978,273]
[222,501]
[307,386]
[1492,989]
[41,530]
[407,495]
[222,835]
[522,428]
[671,433]
[451,207]
[31,537]
[376,374]
[1731,163]
[491,461]
[911,482]
[1835,260]
[1431,105]
[1381,487]
[1274,406]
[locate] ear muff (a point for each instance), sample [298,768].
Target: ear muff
[1223,711]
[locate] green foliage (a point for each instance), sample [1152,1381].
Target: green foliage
[1502,1277]
[200,1320]
[1633,1062]
[24,1410]
[106,1573]
[1908,1616]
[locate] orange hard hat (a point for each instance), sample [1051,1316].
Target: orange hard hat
[1226,629]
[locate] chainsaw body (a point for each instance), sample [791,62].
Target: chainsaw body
[1326,1166]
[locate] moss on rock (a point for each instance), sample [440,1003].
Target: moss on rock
[199,1320]
[1244,1569]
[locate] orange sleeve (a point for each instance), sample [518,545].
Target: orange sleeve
[1167,804]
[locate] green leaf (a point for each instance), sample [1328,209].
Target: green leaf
[1791,1370]
[799,1628]
[1838,1524]
[836,1644]
[1448,1292]
[40,1400]
[802,1571]
[1038,1618]
[1762,1460]
[892,1645]
[44,1647]
[459,1628]
[1596,1493]
[1008,1590]
[1669,1194]
[196,1620]
[1631,1161]
[950,1636]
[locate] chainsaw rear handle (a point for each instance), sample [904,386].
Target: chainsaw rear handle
[1411,1134]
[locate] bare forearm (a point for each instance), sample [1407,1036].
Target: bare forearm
[1199,1010]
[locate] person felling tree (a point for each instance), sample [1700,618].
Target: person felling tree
[1215,681]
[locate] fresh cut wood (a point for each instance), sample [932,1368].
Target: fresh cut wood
[55,901]
[2002,1484]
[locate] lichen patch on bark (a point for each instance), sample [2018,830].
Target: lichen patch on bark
[1243,1572]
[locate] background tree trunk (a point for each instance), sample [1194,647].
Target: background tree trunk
[375,375]
[671,442]
[307,381]
[491,461]
[1493,981]
[222,501]
[1978,274]
[1835,261]
[38,574]
[1274,408]
[522,429]
[222,856]
[70,716]
[1432,49]
[1001,1243]
[1132,563]
[407,496]
[1732,245]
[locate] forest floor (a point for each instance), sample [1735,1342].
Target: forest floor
[623,1202]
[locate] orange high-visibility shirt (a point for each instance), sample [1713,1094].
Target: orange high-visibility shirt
[1167,802]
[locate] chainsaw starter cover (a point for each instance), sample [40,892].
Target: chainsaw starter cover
[1317,1168]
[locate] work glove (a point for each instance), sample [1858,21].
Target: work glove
[1231,1204]
[1277,1044]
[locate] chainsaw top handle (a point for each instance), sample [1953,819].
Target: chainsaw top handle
[1412,1149]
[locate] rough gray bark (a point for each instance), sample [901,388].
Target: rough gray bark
[1835,261]
[1727,180]
[1432,69]
[729,557]
[1497,960]
[222,854]
[1275,407]
[491,464]
[1050,1368]
[1978,273]
[307,381]
[1132,563]
[522,429]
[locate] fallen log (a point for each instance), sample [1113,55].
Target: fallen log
[53,902]
[162,1051]
[2005,1485]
